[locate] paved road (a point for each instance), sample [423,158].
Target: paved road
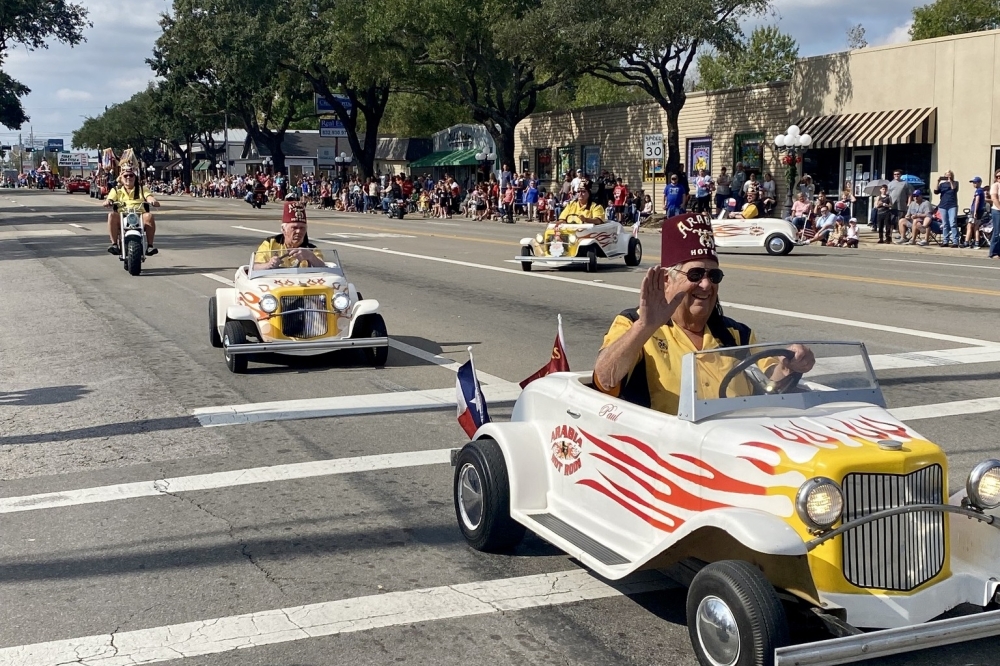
[103,372]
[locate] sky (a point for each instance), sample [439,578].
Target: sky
[68,84]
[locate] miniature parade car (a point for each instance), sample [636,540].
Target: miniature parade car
[77,184]
[800,499]
[294,311]
[571,242]
[775,235]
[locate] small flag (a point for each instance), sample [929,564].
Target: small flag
[558,361]
[469,397]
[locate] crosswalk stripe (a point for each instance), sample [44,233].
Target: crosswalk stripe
[224,634]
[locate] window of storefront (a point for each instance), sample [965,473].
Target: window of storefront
[914,159]
[823,164]
[996,161]
[591,160]
[567,160]
[748,149]
[543,163]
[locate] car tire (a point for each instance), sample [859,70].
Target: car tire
[235,334]
[526,252]
[777,244]
[213,326]
[481,490]
[634,256]
[133,256]
[373,326]
[734,616]
[591,259]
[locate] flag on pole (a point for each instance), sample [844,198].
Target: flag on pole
[557,362]
[469,397]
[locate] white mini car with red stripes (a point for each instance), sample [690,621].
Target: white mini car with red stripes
[775,235]
[803,499]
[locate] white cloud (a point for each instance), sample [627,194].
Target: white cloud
[68,95]
[899,34]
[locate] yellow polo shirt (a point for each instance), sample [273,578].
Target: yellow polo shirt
[662,355]
[274,244]
[574,208]
[134,197]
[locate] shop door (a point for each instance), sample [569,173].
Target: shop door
[996,162]
[863,161]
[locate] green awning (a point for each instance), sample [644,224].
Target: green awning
[202,165]
[447,158]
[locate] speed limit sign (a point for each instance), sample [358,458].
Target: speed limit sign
[652,146]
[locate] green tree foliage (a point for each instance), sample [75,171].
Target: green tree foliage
[651,45]
[129,124]
[414,115]
[954,17]
[768,55]
[31,23]
[587,90]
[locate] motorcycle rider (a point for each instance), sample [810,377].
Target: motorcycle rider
[130,192]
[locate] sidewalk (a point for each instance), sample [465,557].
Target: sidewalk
[869,241]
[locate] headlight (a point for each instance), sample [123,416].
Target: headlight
[572,238]
[540,238]
[132,220]
[819,503]
[269,303]
[983,486]
[341,302]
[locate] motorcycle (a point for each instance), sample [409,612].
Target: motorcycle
[133,237]
[397,208]
[256,198]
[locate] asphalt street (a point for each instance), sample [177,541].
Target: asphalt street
[104,375]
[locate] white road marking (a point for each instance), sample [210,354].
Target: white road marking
[346,405]
[632,290]
[941,263]
[40,233]
[901,360]
[936,411]
[218,278]
[225,634]
[78,226]
[238,477]
[443,224]
[348,236]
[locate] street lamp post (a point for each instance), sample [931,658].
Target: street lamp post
[794,144]
[343,162]
[487,159]
[220,166]
[150,170]
[268,163]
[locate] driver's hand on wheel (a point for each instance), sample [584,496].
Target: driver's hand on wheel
[302,254]
[657,299]
[802,362]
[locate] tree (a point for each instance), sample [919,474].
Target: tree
[769,55]
[954,17]
[31,23]
[129,124]
[651,45]
[856,37]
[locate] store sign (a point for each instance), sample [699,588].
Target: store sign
[652,146]
[74,160]
[323,105]
[54,145]
[326,157]
[331,127]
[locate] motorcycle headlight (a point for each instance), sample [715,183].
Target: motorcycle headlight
[572,239]
[819,503]
[341,302]
[540,238]
[269,303]
[983,486]
[132,220]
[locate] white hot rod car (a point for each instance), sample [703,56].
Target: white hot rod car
[566,242]
[775,235]
[295,311]
[803,499]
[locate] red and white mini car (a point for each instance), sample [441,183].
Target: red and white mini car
[568,242]
[77,184]
[775,235]
[804,499]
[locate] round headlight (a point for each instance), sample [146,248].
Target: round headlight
[341,302]
[540,238]
[572,238]
[983,486]
[819,503]
[269,303]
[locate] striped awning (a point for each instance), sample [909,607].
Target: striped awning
[875,128]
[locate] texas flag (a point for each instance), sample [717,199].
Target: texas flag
[469,396]
[557,362]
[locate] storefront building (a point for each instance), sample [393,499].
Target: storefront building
[923,107]
[454,154]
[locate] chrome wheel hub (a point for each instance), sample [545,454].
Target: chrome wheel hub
[717,631]
[470,497]
[777,244]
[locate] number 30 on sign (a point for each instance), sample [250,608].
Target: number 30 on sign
[652,146]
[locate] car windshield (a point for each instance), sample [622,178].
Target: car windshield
[270,263]
[723,380]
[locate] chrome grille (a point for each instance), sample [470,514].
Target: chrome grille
[897,552]
[303,324]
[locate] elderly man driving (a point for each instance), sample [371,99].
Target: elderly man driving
[678,314]
[291,248]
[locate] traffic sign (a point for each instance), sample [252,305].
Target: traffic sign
[652,147]
[54,145]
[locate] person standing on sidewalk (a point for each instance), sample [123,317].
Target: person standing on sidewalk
[995,214]
[948,205]
[723,190]
[883,215]
[900,191]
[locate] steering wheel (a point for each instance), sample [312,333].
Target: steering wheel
[760,381]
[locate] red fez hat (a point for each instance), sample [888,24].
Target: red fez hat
[293,212]
[686,237]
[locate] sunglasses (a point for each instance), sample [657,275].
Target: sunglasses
[129,175]
[715,275]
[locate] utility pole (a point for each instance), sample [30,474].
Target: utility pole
[20,155]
